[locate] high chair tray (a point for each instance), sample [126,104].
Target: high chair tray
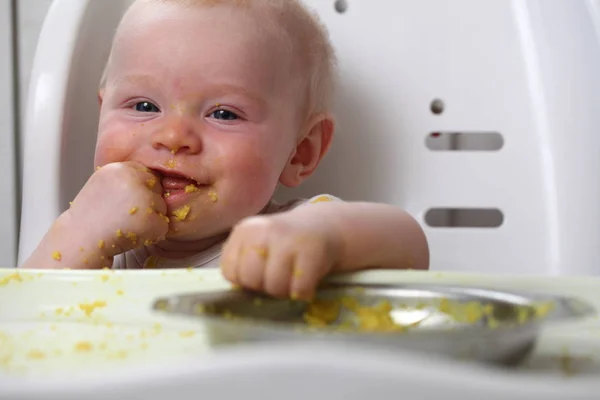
[462,322]
[64,324]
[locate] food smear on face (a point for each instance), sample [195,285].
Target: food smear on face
[150,183]
[191,188]
[132,236]
[214,197]
[171,164]
[181,213]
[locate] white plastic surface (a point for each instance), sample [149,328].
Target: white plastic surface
[50,348]
[525,68]
[8,164]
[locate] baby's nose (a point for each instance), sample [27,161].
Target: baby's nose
[178,136]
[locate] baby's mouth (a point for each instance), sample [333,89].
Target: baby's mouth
[172,181]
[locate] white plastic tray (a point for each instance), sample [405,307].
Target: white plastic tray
[69,324]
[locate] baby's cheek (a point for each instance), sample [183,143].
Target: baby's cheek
[113,146]
[254,180]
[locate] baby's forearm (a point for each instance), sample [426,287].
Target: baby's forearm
[376,236]
[66,247]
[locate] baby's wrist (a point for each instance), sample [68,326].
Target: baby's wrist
[68,245]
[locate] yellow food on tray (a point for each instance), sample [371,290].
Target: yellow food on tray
[375,318]
[347,313]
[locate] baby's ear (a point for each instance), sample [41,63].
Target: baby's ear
[309,151]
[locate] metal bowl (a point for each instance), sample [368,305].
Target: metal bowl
[464,322]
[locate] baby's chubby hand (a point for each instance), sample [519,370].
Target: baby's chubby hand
[284,255]
[119,208]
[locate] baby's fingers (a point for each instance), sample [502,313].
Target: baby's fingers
[278,272]
[252,260]
[229,259]
[309,269]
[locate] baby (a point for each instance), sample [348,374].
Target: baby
[206,106]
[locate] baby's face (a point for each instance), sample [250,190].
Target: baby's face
[199,93]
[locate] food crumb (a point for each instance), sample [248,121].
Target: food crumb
[132,236]
[191,188]
[148,242]
[119,233]
[186,334]
[181,213]
[261,251]
[12,277]
[56,255]
[298,273]
[150,183]
[321,199]
[101,244]
[171,164]
[120,292]
[133,210]
[88,309]
[214,197]
[81,347]
[36,355]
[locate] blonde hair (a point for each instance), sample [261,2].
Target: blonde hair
[308,36]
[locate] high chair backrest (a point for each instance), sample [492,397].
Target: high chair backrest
[478,117]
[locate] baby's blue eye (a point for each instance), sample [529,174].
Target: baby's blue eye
[224,115]
[146,106]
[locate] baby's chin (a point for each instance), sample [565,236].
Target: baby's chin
[183,232]
[196,228]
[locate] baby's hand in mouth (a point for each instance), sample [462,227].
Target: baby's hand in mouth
[121,207]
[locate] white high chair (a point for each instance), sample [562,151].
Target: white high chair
[523,73]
